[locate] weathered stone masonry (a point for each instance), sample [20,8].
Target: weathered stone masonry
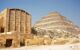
[15,25]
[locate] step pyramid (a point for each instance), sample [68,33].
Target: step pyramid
[56,25]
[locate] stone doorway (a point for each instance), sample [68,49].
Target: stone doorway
[1,30]
[22,44]
[8,43]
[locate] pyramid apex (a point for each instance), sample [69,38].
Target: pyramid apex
[54,13]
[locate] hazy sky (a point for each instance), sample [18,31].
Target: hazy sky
[40,8]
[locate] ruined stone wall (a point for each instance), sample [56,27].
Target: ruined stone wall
[36,40]
[5,37]
[18,20]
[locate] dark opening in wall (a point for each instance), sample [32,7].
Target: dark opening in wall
[8,42]
[22,44]
[33,31]
[1,30]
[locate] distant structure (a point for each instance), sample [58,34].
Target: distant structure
[15,25]
[55,23]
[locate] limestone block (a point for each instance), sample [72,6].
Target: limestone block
[47,41]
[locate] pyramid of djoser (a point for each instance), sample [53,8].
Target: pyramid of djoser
[55,25]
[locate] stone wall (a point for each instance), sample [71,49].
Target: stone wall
[48,41]
[13,36]
[15,27]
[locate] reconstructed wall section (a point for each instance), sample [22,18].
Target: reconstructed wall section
[14,20]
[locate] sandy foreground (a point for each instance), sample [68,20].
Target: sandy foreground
[47,47]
